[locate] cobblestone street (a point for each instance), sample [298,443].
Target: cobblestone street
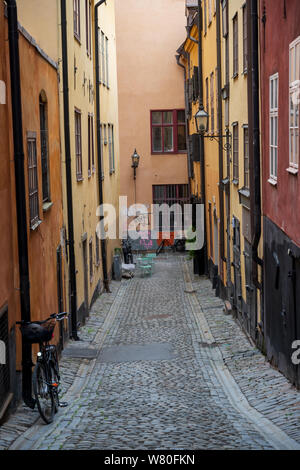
[160,366]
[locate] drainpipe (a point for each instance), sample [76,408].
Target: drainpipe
[99,150]
[186,120]
[72,265]
[13,38]
[255,124]
[202,163]
[220,125]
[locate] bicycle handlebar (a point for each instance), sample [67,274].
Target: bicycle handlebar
[57,316]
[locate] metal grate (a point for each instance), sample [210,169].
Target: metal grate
[4,368]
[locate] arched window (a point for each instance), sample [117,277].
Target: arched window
[44,147]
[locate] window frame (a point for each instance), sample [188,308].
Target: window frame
[245,39]
[76,19]
[78,144]
[294,87]
[235,153]
[235,50]
[273,114]
[91,150]
[175,124]
[246,157]
[33,181]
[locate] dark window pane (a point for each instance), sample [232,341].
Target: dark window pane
[168,117]
[157,139]
[181,116]
[168,139]
[181,138]
[156,117]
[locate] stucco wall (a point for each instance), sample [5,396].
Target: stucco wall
[148,34]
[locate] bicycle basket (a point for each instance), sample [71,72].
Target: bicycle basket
[34,333]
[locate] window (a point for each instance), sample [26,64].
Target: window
[102,58]
[44,147]
[235,152]
[273,97]
[111,148]
[170,194]
[97,250]
[106,61]
[225,17]
[91,260]
[209,11]
[205,17]
[91,156]
[207,98]
[33,180]
[88,24]
[102,149]
[168,133]
[245,40]
[246,158]
[212,100]
[76,9]
[235,46]
[294,104]
[78,145]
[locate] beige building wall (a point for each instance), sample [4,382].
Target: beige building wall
[82,96]
[109,115]
[148,34]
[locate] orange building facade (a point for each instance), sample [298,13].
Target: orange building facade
[43,194]
[151,104]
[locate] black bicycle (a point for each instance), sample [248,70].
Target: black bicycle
[46,377]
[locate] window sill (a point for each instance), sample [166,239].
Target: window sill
[272,181]
[292,171]
[89,175]
[79,179]
[178,152]
[235,75]
[235,182]
[111,172]
[35,225]
[47,206]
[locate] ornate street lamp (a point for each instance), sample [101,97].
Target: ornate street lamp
[135,162]
[201,119]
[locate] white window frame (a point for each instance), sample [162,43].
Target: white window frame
[294,94]
[273,121]
[209,12]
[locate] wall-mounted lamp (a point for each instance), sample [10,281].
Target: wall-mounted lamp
[201,119]
[135,162]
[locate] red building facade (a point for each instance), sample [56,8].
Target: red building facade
[280,97]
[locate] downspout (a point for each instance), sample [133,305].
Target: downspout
[72,265]
[202,163]
[13,38]
[186,120]
[256,199]
[220,125]
[99,150]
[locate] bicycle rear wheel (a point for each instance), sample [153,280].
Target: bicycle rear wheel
[43,393]
[55,384]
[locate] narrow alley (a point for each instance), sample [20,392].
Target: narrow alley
[160,366]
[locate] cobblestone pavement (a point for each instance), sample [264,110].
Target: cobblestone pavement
[167,369]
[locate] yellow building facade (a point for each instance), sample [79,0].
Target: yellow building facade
[81,91]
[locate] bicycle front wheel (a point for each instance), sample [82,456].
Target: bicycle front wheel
[43,393]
